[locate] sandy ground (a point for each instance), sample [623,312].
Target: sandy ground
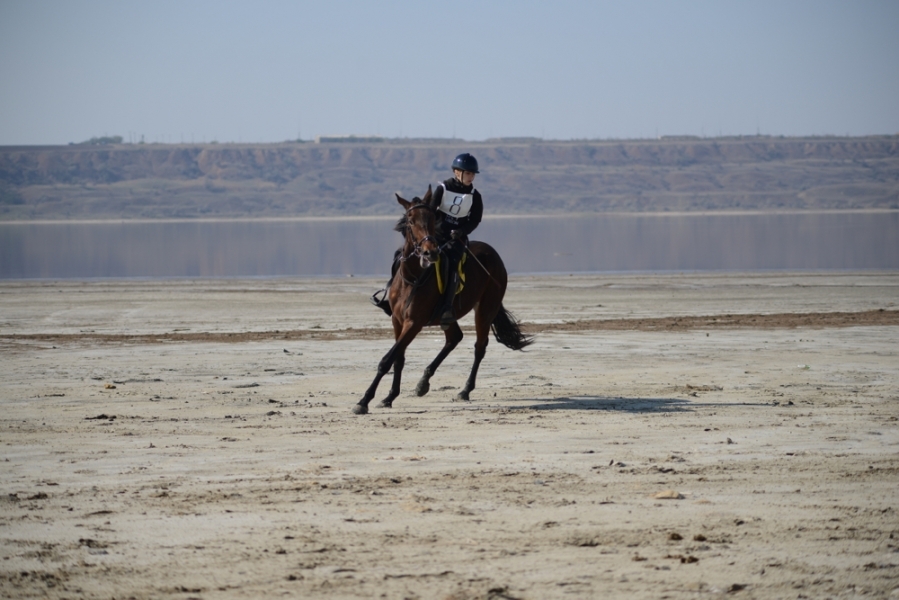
[681,436]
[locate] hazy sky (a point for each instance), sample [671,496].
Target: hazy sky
[269,71]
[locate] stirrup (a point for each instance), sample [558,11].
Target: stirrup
[381,302]
[374,297]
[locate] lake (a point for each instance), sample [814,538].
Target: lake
[364,246]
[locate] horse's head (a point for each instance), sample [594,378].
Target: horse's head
[418,226]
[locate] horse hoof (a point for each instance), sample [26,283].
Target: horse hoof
[422,388]
[463,395]
[360,409]
[385,404]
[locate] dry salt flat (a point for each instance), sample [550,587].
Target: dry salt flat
[666,436]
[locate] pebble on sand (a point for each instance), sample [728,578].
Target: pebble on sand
[668,495]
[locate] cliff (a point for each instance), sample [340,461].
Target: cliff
[517,176]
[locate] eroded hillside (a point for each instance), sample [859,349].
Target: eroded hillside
[518,176]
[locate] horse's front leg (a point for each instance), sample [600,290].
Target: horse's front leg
[453,337]
[361,407]
[396,353]
[398,362]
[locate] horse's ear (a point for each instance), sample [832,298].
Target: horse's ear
[405,203]
[427,198]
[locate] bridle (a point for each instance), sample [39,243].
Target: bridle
[416,244]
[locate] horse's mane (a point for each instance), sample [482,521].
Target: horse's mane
[401,224]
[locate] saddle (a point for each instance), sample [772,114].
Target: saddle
[442,276]
[379,298]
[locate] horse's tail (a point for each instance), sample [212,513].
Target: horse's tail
[507,332]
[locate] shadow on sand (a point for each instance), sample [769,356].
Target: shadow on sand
[632,405]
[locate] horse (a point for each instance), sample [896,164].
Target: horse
[415,302]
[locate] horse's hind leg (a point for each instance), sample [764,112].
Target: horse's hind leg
[453,337]
[482,329]
[398,364]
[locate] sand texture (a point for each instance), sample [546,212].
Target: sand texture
[666,436]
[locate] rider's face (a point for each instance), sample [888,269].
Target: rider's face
[466,177]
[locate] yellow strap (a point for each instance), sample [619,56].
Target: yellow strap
[440,284]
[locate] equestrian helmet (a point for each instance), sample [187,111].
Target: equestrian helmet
[466,162]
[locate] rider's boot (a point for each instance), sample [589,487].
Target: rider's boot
[383,301]
[447,318]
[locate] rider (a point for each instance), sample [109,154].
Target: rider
[459,211]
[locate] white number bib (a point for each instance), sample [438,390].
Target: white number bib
[456,204]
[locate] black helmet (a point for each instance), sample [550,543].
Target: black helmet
[466,162]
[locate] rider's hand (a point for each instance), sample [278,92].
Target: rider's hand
[458,236]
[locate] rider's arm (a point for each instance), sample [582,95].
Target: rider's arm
[471,222]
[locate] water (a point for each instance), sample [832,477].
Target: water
[327,247]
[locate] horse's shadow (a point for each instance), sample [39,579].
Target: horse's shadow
[617,404]
[621,404]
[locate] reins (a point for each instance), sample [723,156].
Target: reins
[490,275]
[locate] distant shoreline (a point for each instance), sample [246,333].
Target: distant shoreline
[312,219]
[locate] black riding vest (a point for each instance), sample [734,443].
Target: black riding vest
[449,212]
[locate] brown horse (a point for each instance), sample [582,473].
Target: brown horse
[415,299]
